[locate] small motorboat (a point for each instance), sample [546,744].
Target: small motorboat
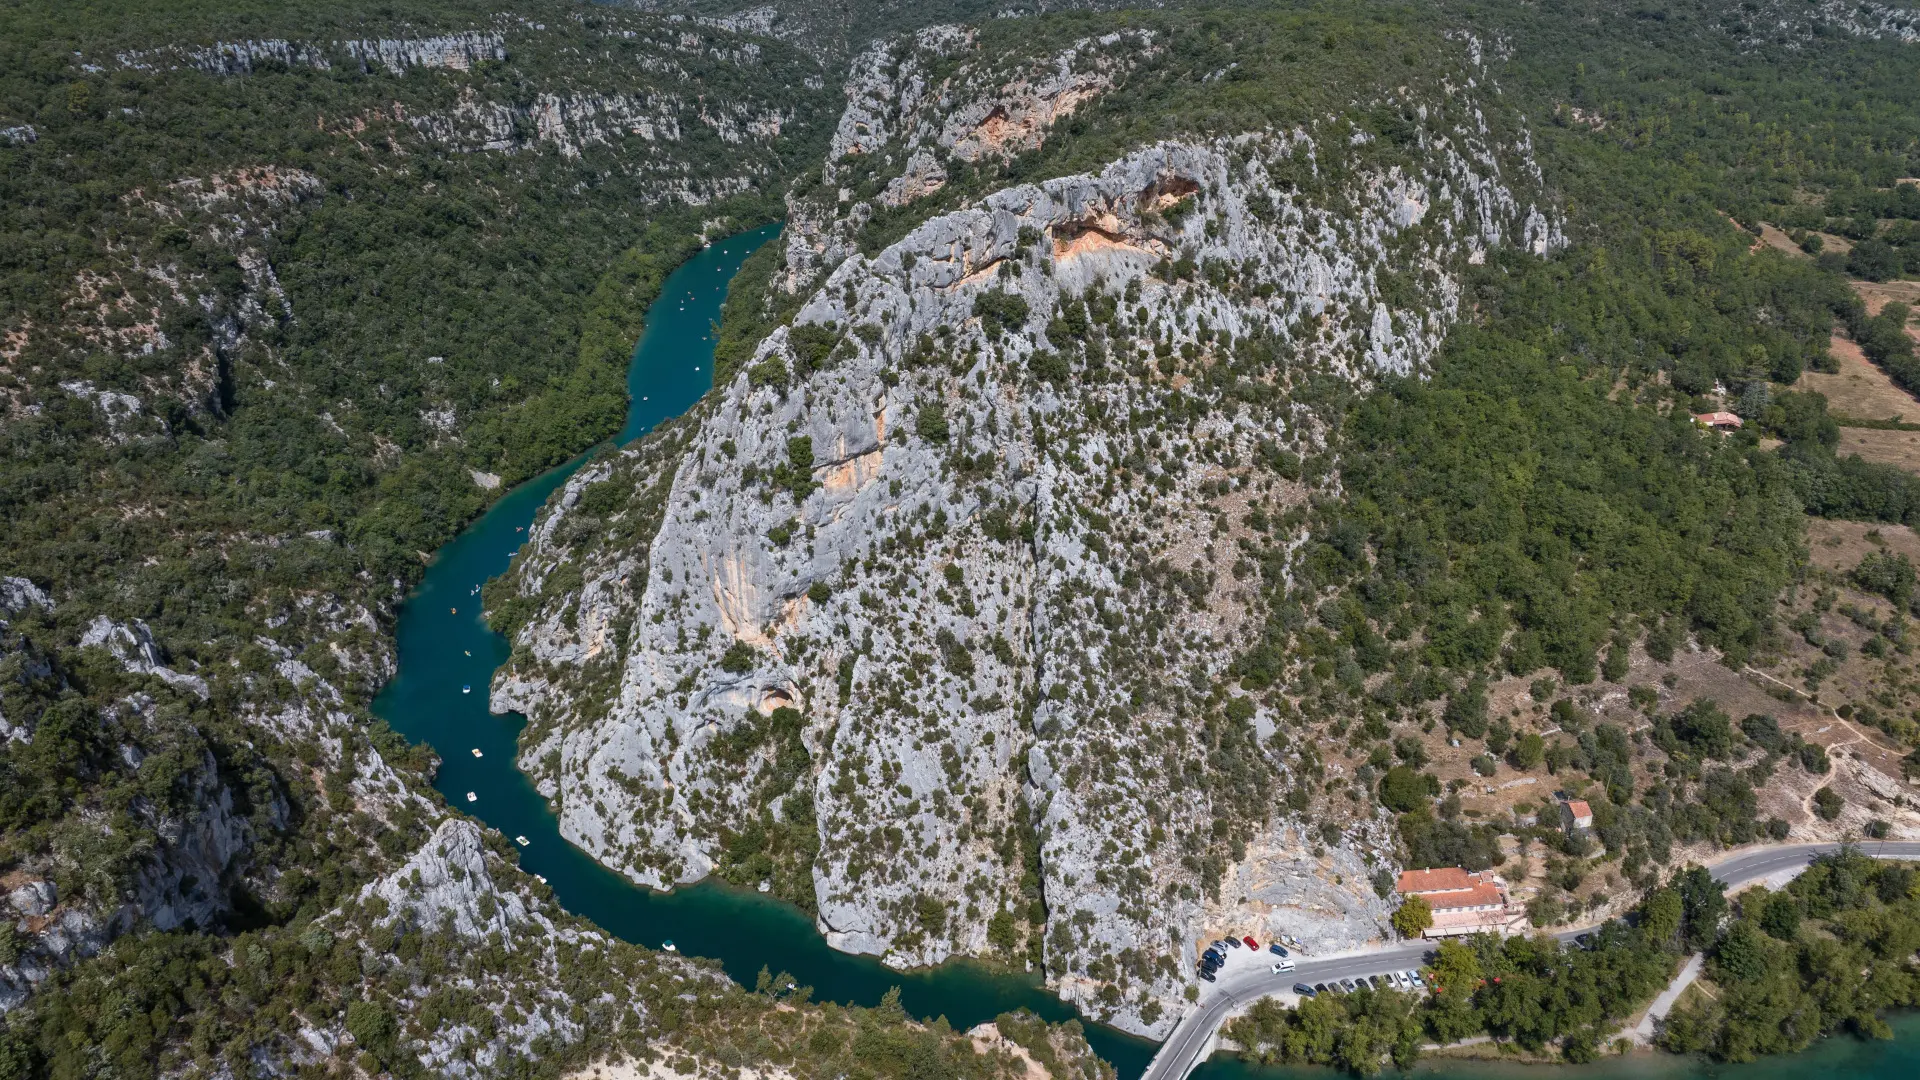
[467,689]
[669,946]
[453,611]
[469,652]
[522,841]
[477,753]
[471,797]
[541,878]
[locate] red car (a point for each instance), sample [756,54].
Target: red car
[1251,944]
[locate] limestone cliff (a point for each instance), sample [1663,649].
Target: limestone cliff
[945,586]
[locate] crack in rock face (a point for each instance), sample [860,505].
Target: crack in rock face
[925,619]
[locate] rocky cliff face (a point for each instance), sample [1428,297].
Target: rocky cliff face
[189,836]
[947,584]
[396,56]
[198,843]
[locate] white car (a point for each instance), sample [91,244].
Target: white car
[1284,965]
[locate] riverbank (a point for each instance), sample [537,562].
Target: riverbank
[1841,1056]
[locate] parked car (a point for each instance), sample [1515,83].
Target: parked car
[1348,985]
[1251,944]
[1215,954]
[1235,942]
[1218,945]
[1276,950]
[1585,941]
[1304,990]
[1207,975]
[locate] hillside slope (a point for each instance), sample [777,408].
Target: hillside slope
[947,580]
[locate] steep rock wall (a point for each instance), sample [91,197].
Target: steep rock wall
[972,519]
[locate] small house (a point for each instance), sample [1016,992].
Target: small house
[1577,815]
[1719,421]
[1462,902]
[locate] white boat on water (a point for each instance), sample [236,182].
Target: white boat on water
[477,753]
[471,797]
[669,946]
[522,841]
[467,689]
[541,878]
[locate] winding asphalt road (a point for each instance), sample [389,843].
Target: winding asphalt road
[1249,976]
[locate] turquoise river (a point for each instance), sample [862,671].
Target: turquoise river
[446,660]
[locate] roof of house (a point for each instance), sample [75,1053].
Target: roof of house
[1719,419]
[1580,809]
[1444,879]
[1484,895]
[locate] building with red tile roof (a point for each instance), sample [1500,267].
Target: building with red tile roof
[1462,902]
[1722,420]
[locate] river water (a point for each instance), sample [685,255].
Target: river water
[446,659]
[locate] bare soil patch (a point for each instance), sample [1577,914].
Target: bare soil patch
[1859,389]
[1900,449]
[1779,241]
[1876,294]
[1839,546]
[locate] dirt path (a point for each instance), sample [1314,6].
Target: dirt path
[1663,1004]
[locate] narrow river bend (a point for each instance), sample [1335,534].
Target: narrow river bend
[444,647]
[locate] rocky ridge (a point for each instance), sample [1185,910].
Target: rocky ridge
[573,121]
[919,103]
[974,516]
[396,56]
[1793,25]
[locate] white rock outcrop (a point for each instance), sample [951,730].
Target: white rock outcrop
[132,644]
[449,884]
[969,515]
